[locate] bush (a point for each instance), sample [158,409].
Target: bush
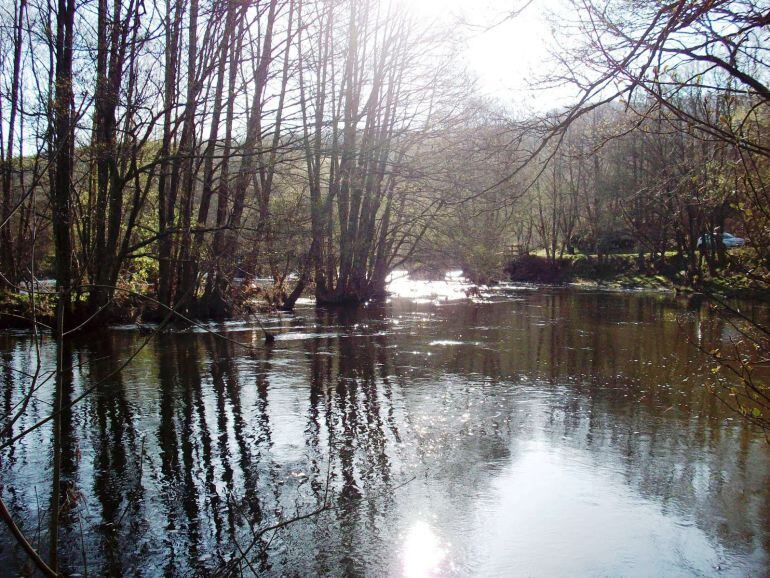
[533,269]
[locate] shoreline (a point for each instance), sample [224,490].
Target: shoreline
[11,322]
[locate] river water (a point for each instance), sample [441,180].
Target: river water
[522,432]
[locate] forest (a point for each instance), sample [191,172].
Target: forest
[172,151]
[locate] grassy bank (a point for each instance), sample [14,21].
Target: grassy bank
[743,277]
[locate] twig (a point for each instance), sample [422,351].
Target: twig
[227,571]
[22,540]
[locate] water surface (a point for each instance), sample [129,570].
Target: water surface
[526,432]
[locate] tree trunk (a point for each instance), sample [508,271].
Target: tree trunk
[165,207]
[63,151]
[8,263]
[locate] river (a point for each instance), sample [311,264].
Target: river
[521,432]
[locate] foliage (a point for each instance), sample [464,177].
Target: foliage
[533,269]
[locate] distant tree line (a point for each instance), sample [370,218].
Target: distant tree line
[666,142]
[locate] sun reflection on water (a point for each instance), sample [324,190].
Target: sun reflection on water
[453,287]
[424,555]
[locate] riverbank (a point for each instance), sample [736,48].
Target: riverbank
[742,278]
[135,303]
[613,272]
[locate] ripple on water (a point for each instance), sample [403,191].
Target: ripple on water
[553,433]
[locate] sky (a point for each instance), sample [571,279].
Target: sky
[505,53]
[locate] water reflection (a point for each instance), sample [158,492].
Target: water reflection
[541,431]
[424,555]
[550,497]
[454,286]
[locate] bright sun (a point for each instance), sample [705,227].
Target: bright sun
[506,53]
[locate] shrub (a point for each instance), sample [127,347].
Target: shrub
[533,269]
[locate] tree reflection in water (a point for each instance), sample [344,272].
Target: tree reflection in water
[425,425]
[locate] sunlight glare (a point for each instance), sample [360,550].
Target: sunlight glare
[424,555]
[506,54]
[453,287]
